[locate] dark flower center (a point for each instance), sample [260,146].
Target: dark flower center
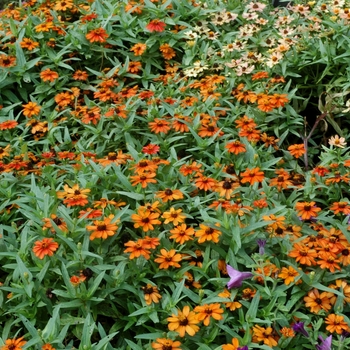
[77,192]
[345,252]
[307,207]
[279,230]
[102,227]
[57,221]
[318,301]
[183,322]
[227,185]
[168,192]
[145,220]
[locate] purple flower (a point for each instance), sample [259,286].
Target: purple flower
[261,244]
[299,328]
[326,343]
[236,277]
[245,347]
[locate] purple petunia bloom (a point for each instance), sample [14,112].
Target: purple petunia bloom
[245,347]
[326,343]
[236,277]
[261,244]
[299,328]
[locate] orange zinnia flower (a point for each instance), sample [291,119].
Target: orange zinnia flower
[146,220]
[144,179]
[47,347]
[232,305]
[169,194]
[103,229]
[80,75]
[31,109]
[252,175]
[316,301]
[139,49]
[167,51]
[206,311]
[29,44]
[182,233]
[134,66]
[327,261]
[8,124]
[336,324]
[296,150]
[168,258]
[337,207]
[138,248]
[235,147]
[166,344]
[7,61]
[13,344]
[184,322]
[306,210]
[206,233]
[265,335]
[97,35]
[48,75]
[159,126]
[174,216]
[245,123]
[156,25]
[45,247]
[260,75]
[205,183]
[304,255]
[59,222]
[151,294]
[233,346]
[288,274]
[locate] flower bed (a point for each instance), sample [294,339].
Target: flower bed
[174,175]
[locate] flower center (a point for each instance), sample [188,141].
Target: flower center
[101,227]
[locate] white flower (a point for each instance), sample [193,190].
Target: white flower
[337,141]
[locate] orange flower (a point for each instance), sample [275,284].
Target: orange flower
[182,233]
[138,248]
[29,44]
[252,175]
[13,344]
[144,179]
[139,49]
[47,347]
[306,210]
[74,196]
[225,188]
[7,61]
[156,25]
[168,258]
[97,35]
[45,247]
[316,301]
[337,207]
[327,261]
[48,75]
[188,169]
[232,305]
[31,109]
[235,147]
[265,104]
[336,324]
[206,311]
[134,66]
[59,222]
[296,150]
[174,216]
[288,274]
[159,126]
[167,51]
[279,100]
[206,233]
[151,294]
[245,123]
[146,220]
[184,322]
[63,5]
[169,194]
[304,255]
[205,183]
[288,332]
[103,229]
[260,75]
[252,134]
[265,335]
[166,344]
[8,124]
[80,75]
[233,346]
[64,99]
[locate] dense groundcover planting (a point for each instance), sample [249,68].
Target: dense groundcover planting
[174,175]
